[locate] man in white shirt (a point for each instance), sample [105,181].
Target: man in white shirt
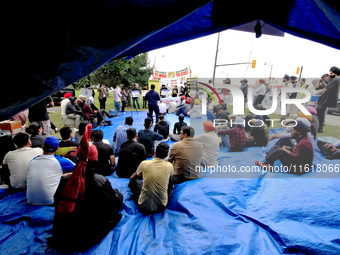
[44,173]
[210,143]
[17,161]
[117,96]
[64,102]
[162,107]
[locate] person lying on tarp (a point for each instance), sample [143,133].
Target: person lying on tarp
[152,195]
[86,205]
[298,159]
[330,151]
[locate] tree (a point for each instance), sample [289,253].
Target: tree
[120,71]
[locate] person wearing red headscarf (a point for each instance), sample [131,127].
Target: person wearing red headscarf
[86,204]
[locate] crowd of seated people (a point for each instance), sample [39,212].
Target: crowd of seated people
[70,175]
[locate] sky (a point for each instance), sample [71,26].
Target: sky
[285,54]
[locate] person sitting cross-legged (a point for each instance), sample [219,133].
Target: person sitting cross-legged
[152,195]
[14,164]
[67,147]
[186,155]
[44,173]
[119,137]
[148,138]
[211,144]
[298,159]
[234,138]
[106,156]
[131,155]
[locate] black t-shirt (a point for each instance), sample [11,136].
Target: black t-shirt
[174,93]
[178,126]
[162,128]
[38,112]
[130,156]
[104,153]
[260,134]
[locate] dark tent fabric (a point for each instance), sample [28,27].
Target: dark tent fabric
[58,43]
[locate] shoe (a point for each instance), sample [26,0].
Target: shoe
[56,130]
[263,165]
[320,130]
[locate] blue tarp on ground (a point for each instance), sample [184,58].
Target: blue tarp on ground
[270,213]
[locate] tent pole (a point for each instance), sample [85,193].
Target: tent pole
[218,39]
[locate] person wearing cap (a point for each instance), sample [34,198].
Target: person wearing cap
[196,111]
[211,144]
[234,138]
[329,95]
[64,102]
[297,159]
[177,128]
[44,173]
[186,156]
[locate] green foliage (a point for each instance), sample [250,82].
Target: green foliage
[120,71]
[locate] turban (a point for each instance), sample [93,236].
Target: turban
[208,126]
[335,70]
[308,117]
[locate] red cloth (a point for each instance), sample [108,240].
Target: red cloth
[20,117]
[67,95]
[75,188]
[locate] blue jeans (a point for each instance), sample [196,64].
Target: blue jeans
[210,115]
[117,107]
[135,99]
